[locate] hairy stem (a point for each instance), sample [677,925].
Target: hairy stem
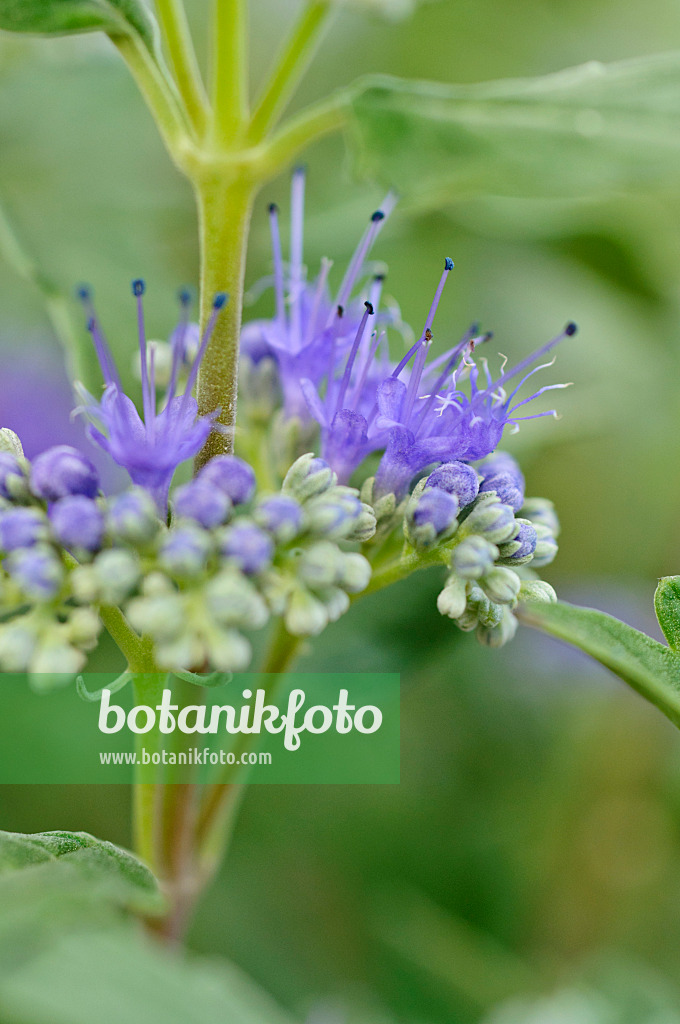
[230,71]
[295,58]
[225,209]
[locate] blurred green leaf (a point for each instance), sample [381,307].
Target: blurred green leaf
[392,9]
[63,17]
[645,664]
[588,130]
[110,873]
[667,608]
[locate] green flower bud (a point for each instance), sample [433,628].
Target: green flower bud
[501,585]
[116,574]
[496,636]
[9,442]
[54,664]
[232,600]
[492,519]
[546,546]
[184,652]
[335,601]
[83,628]
[306,615]
[17,644]
[355,573]
[162,618]
[320,565]
[157,584]
[453,598]
[473,557]
[537,590]
[229,651]
[308,477]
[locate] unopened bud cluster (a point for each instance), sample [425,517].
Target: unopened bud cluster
[228,560]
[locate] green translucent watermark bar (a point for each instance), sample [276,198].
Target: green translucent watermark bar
[296,727]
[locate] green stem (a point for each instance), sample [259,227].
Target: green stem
[293,62]
[315,121]
[225,209]
[147,687]
[177,36]
[230,72]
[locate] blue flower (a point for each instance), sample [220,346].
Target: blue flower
[424,418]
[151,446]
[311,326]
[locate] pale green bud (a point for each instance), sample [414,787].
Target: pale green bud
[355,574]
[116,574]
[537,590]
[157,584]
[453,599]
[306,615]
[308,477]
[320,565]
[234,601]
[473,557]
[17,644]
[83,628]
[496,636]
[162,618]
[335,601]
[229,651]
[541,510]
[546,546]
[501,585]
[9,442]
[492,519]
[184,652]
[54,664]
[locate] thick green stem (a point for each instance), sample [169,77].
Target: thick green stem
[230,71]
[294,60]
[225,209]
[147,689]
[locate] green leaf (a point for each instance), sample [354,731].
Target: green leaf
[667,608]
[103,870]
[645,664]
[63,17]
[589,130]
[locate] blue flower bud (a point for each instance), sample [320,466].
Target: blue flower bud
[308,477]
[37,571]
[521,548]
[232,476]
[545,550]
[492,519]
[22,528]
[473,557]
[457,478]
[201,501]
[247,546]
[280,515]
[61,471]
[430,516]
[540,510]
[501,462]
[184,551]
[506,486]
[77,523]
[12,479]
[133,517]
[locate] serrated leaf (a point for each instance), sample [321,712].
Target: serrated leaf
[63,17]
[589,130]
[110,873]
[648,666]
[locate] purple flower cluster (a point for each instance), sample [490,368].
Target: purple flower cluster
[151,446]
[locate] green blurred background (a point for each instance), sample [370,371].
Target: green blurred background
[528,866]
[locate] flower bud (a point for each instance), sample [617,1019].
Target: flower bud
[473,557]
[308,477]
[22,528]
[320,565]
[363,527]
[259,388]
[17,645]
[247,546]
[13,482]
[335,601]
[234,601]
[184,552]
[491,519]
[182,652]
[305,614]
[133,517]
[501,462]
[37,571]
[501,585]
[116,574]
[537,590]
[83,628]
[232,476]
[546,546]
[456,478]
[430,517]
[334,514]
[452,600]
[540,510]
[162,618]
[281,516]
[61,471]
[203,502]
[228,651]
[78,523]
[520,549]
[55,663]
[499,634]
[10,443]
[506,486]
[355,573]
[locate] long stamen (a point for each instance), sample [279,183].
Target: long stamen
[377,339]
[352,356]
[297,216]
[138,288]
[278,263]
[326,265]
[568,331]
[448,267]
[150,423]
[104,357]
[414,382]
[179,340]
